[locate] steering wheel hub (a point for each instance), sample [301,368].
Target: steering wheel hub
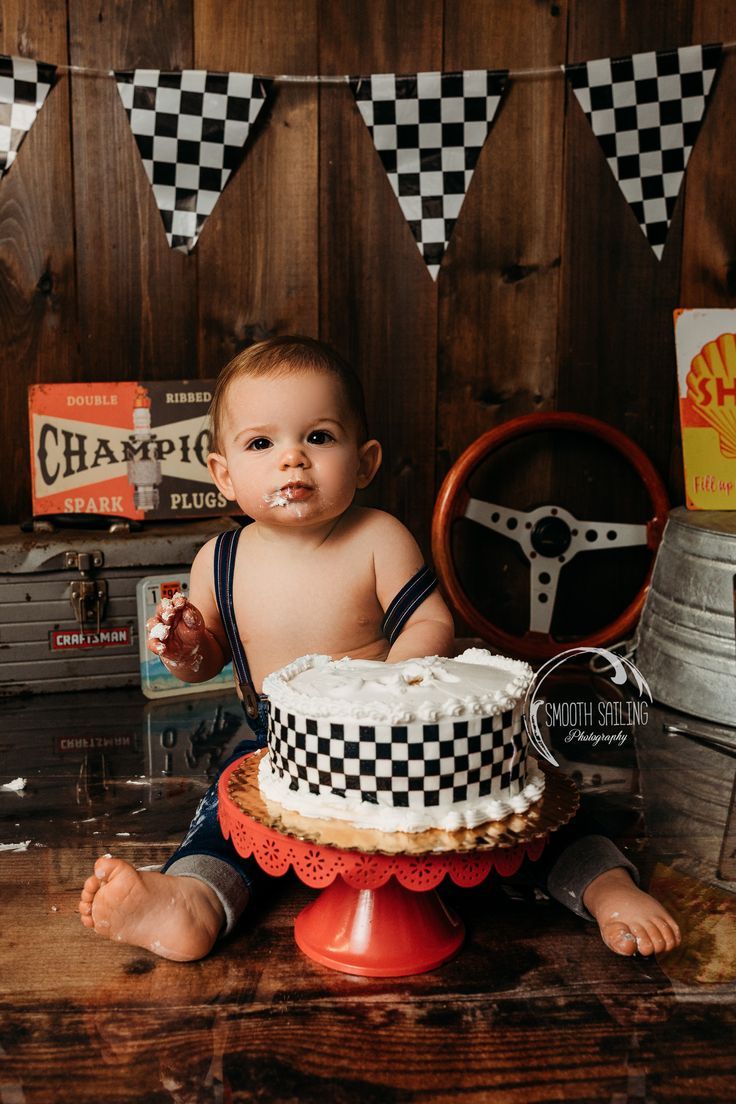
[551,536]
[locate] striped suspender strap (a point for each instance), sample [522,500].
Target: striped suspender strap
[226,548]
[409,598]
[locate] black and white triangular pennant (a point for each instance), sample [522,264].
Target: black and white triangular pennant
[646,111]
[190,128]
[24,86]
[428,130]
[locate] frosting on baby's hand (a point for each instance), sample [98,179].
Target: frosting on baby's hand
[163,636]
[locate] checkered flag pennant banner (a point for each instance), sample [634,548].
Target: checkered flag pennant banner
[646,111]
[429,129]
[24,86]
[190,128]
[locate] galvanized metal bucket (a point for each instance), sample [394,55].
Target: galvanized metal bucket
[686,646]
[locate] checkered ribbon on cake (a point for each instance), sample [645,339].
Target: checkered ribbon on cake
[429,129]
[190,128]
[24,86]
[646,111]
[363,761]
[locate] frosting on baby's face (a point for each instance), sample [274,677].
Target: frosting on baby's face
[292,495]
[276,498]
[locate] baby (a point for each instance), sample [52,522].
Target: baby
[312,573]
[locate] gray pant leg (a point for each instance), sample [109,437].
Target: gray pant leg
[230,888]
[578,865]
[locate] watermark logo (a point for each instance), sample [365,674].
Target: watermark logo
[586,721]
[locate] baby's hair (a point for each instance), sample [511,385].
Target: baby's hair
[281,356]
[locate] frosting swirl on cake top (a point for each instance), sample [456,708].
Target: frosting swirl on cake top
[372,692]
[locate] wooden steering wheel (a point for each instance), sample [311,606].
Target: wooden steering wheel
[549,536]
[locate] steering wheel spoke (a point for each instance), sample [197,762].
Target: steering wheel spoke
[596,536]
[500,519]
[544,577]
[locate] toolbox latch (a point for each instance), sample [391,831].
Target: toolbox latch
[88,595]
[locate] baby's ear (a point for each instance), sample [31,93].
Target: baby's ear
[218,469]
[369,456]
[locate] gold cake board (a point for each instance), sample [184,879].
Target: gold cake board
[556,807]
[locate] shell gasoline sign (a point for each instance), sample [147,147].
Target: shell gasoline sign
[706,369]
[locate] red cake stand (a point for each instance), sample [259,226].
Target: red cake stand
[379,914]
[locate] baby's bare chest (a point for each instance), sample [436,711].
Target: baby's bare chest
[317,599]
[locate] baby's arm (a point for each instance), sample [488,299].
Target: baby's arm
[429,630]
[187,634]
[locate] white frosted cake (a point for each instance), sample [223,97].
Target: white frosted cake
[427,743]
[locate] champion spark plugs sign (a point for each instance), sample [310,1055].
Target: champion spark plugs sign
[134,450]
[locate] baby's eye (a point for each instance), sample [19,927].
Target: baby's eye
[258,444]
[320,437]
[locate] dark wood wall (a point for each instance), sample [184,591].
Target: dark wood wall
[549,296]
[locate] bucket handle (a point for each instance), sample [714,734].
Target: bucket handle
[626,649]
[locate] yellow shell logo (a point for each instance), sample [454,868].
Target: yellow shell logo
[711,388]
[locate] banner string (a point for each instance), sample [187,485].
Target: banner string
[297,78]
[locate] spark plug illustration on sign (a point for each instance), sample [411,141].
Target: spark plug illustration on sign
[144,464]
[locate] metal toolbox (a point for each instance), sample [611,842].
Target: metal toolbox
[68,616]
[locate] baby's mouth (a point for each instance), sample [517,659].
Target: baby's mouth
[290,492]
[296,492]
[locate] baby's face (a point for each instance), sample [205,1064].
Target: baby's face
[290,449]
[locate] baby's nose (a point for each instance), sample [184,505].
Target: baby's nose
[294,456]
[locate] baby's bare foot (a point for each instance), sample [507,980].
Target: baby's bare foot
[175,917]
[629,919]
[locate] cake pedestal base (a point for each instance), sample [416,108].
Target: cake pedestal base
[385,932]
[378,914]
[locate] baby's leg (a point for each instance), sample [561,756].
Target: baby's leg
[178,913]
[629,919]
[594,879]
[177,918]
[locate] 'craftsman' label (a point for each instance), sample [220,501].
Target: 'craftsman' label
[66,744]
[60,639]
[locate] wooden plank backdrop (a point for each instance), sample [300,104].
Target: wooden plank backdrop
[136,297]
[549,296]
[616,356]
[709,229]
[499,287]
[257,257]
[38,302]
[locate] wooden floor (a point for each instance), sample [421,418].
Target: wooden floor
[534,1008]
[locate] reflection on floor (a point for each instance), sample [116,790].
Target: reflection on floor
[534,1008]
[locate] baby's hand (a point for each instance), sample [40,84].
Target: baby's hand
[175,632]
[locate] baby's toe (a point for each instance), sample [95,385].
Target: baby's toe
[670,927]
[90,887]
[105,867]
[86,897]
[647,936]
[618,938]
[84,908]
[670,933]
